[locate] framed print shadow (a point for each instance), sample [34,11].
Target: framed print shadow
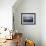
[28,18]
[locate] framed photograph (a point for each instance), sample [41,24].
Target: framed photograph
[28,18]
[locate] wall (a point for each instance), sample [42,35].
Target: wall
[29,31]
[43,22]
[6,13]
[6,16]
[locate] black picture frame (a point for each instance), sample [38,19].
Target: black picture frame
[28,18]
